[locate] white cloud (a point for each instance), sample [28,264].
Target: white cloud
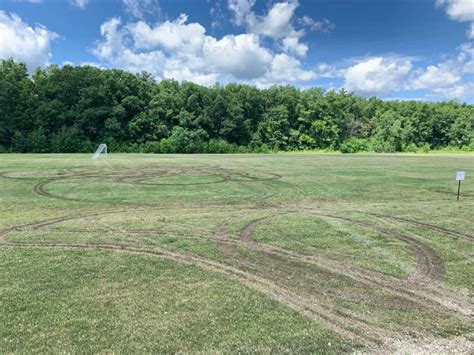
[378,75]
[24,43]
[82,64]
[184,51]
[440,76]
[470,31]
[217,14]
[460,10]
[91,64]
[465,58]
[170,35]
[240,56]
[292,45]
[113,39]
[459,92]
[241,9]
[450,78]
[185,74]
[181,50]
[141,8]
[325,25]
[384,76]
[280,24]
[82,4]
[114,51]
[277,23]
[286,69]
[325,70]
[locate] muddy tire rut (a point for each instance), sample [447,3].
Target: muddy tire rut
[279,265]
[309,284]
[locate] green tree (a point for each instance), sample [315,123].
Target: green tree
[72,109]
[273,130]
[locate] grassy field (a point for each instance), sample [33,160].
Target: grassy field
[236,253]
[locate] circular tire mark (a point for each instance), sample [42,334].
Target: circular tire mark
[140,177]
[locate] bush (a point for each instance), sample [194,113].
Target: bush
[466,148]
[410,148]
[70,140]
[20,143]
[455,149]
[379,146]
[243,150]
[134,148]
[262,149]
[183,140]
[37,141]
[355,145]
[114,146]
[151,147]
[215,146]
[425,148]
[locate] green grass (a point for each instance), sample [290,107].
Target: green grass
[63,300]
[70,301]
[337,241]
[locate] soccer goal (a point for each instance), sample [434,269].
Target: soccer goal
[101,151]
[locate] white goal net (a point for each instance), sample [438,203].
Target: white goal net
[101,151]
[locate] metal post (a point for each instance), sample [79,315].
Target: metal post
[459,188]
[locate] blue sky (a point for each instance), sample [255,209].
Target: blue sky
[395,49]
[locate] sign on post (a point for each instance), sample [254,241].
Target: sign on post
[460,175]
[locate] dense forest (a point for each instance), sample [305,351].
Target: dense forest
[73,109]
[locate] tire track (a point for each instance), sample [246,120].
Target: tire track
[48,222]
[424,284]
[140,176]
[445,231]
[405,296]
[412,290]
[312,309]
[276,267]
[345,324]
[264,286]
[286,276]
[245,241]
[430,266]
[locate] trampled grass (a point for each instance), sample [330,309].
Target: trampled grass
[234,253]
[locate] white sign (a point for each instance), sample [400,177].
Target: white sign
[460,175]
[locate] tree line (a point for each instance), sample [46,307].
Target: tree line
[73,109]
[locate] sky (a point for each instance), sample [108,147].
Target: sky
[394,49]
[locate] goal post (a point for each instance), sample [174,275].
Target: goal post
[101,151]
